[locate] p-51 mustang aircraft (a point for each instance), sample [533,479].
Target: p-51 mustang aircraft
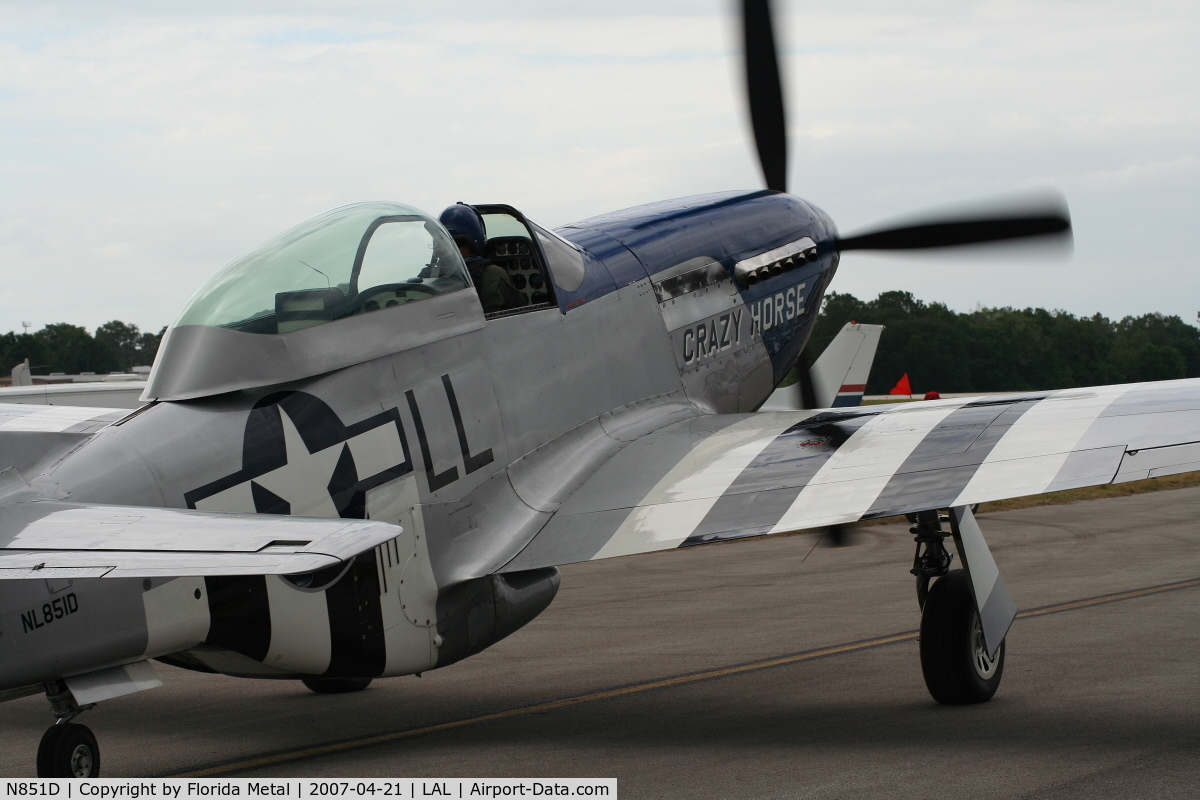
[347,470]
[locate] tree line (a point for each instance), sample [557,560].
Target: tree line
[986,350]
[1009,349]
[116,347]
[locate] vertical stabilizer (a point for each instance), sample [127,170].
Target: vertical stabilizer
[839,376]
[21,375]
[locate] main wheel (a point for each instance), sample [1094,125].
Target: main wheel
[336,685]
[68,751]
[954,655]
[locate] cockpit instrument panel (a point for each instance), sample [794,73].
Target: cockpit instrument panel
[521,261]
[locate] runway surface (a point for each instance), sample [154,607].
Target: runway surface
[765,668]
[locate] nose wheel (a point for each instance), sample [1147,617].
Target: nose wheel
[68,750]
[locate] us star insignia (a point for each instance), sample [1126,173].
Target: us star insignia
[299,458]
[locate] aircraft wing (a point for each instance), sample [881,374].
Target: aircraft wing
[49,539]
[728,476]
[32,418]
[98,394]
[32,436]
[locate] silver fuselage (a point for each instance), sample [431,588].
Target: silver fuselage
[469,439]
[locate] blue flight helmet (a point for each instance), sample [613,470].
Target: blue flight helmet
[461,219]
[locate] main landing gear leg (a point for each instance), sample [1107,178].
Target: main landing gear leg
[965,612]
[67,750]
[932,559]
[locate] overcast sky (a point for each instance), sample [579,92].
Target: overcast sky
[144,144]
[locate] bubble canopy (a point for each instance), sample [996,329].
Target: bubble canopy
[349,261]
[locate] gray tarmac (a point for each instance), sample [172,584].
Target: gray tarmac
[1102,700]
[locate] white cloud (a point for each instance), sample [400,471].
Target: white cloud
[143,144]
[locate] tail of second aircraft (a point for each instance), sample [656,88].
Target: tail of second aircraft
[839,376]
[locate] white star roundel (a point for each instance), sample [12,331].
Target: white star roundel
[299,458]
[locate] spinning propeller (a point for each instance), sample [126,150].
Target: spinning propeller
[768,118]
[1048,222]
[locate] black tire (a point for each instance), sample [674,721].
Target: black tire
[68,751]
[953,657]
[336,685]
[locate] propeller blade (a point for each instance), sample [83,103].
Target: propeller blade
[808,392]
[838,535]
[764,92]
[958,232]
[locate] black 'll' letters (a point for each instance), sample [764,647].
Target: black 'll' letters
[436,481]
[470,462]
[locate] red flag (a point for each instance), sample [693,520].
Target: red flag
[902,386]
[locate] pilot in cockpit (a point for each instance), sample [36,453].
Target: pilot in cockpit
[495,287]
